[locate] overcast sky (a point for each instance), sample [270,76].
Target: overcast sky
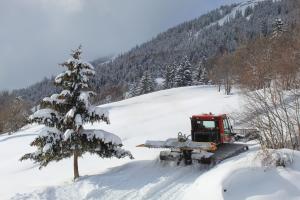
[36,35]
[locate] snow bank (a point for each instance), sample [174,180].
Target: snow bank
[246,177]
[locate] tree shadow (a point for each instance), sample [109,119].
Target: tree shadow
[138,175]
[146,179]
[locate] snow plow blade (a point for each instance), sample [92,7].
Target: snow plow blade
[227,150]
[173,143]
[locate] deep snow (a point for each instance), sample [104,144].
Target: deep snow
[155,116]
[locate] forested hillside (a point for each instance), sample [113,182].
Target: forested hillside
[221,30]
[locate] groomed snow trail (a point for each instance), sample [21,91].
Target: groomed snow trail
[135,180]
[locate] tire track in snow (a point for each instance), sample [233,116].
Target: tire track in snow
[174,186]
[138,180]
[164,182]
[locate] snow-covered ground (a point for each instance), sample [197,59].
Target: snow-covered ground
[158,115]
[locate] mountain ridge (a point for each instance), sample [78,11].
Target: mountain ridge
[239,23]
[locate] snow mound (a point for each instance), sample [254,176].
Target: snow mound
[265,183]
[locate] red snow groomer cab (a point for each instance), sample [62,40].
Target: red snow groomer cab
[211,128]
[211,141]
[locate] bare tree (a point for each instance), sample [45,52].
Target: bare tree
[223,73]
[13,112]
[17,116]
[275,113]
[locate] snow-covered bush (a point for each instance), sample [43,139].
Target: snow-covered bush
[275,158]
[64,115]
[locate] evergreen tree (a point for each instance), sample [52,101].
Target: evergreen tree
[184,73]
[278,28]
[200,74]
[264,28]
[248,11]
[146,84]
[132,90]
[169,76]
[64,115]
[204,80]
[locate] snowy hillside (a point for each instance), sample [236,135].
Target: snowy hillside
[199,38]
[157,115]
[239,8]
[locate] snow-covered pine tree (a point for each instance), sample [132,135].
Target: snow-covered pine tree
[200,74]
[169,76]
[184,73]
[204,79]
[278,28]
[264,29]
[179,75]
[146,84]
[64,115]
[132,90]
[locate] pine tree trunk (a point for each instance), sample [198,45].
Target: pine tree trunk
[75,165]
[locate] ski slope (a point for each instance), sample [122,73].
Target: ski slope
[155,116]
[240,7]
